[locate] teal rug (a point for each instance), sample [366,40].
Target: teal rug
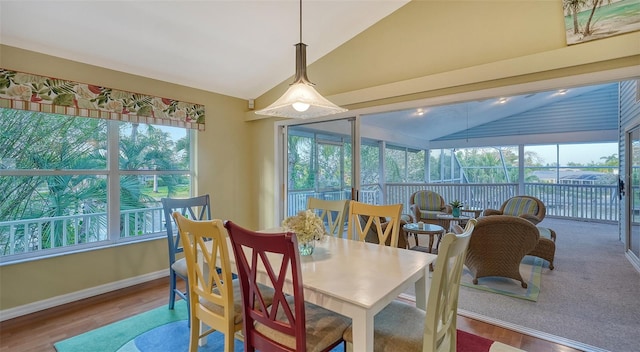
[164,330]
[158,330]
[531,271]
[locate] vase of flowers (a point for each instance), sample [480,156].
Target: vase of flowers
[308,228]
[456,205]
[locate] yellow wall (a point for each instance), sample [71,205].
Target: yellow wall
[438,48]
[222,171]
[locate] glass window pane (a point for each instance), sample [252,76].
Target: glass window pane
[330,166]
[151,147]
[588,154]
[301,171]
[394,165]
[44,212]
[370,164]
[415,167]
[34,140]
[140,207]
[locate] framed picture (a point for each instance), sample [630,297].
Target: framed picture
[587,20]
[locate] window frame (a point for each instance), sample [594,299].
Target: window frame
[113,174]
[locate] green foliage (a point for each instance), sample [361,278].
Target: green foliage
[48,142]
[456,204]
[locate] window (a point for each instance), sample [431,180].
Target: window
[403,164]
[583,164]
[487,165]
[71,183]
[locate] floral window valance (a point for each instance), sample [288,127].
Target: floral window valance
[25,91]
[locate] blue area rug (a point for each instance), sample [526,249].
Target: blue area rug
[164,330]
[174,337]
[158,330]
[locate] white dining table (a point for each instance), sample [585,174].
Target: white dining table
[358,279]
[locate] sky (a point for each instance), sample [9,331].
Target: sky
[579,153]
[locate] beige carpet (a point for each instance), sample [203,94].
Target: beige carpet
[591,298]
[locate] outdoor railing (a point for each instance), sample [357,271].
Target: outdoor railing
[32,235]
[580,202]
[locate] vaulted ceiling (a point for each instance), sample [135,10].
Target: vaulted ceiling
[238,48]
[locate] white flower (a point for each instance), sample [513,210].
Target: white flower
[306,225]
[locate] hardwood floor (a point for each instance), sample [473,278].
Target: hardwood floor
[39,331]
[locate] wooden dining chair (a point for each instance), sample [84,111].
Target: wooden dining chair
[403,327]
[382,220]
[289,323]
[332,212]
[211,285]
[197,208]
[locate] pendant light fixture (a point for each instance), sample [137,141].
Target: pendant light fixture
[301,100]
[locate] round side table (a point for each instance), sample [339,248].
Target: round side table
[426,229]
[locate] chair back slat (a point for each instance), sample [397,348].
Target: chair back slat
[277,255]
[332,212]
[383,220]
[196,208]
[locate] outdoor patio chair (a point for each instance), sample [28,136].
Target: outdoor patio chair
[526,207]
[498,245]
[427,205]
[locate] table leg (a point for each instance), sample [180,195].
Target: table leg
[439,239]
[445,223]
[362,327]
[422,290]
[430,242]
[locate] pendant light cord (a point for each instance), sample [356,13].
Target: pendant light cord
[300,21]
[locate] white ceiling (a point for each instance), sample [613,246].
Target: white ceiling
[238,48]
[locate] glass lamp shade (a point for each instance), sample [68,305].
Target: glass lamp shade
[302,95]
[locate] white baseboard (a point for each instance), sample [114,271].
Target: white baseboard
[78,295]
[633,260]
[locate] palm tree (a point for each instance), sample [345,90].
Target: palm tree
[573,7]
[594,5]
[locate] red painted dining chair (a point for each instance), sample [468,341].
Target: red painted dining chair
[289,323]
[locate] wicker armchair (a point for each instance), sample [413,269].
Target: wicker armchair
[427,205]
[526,207]
[497,246]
